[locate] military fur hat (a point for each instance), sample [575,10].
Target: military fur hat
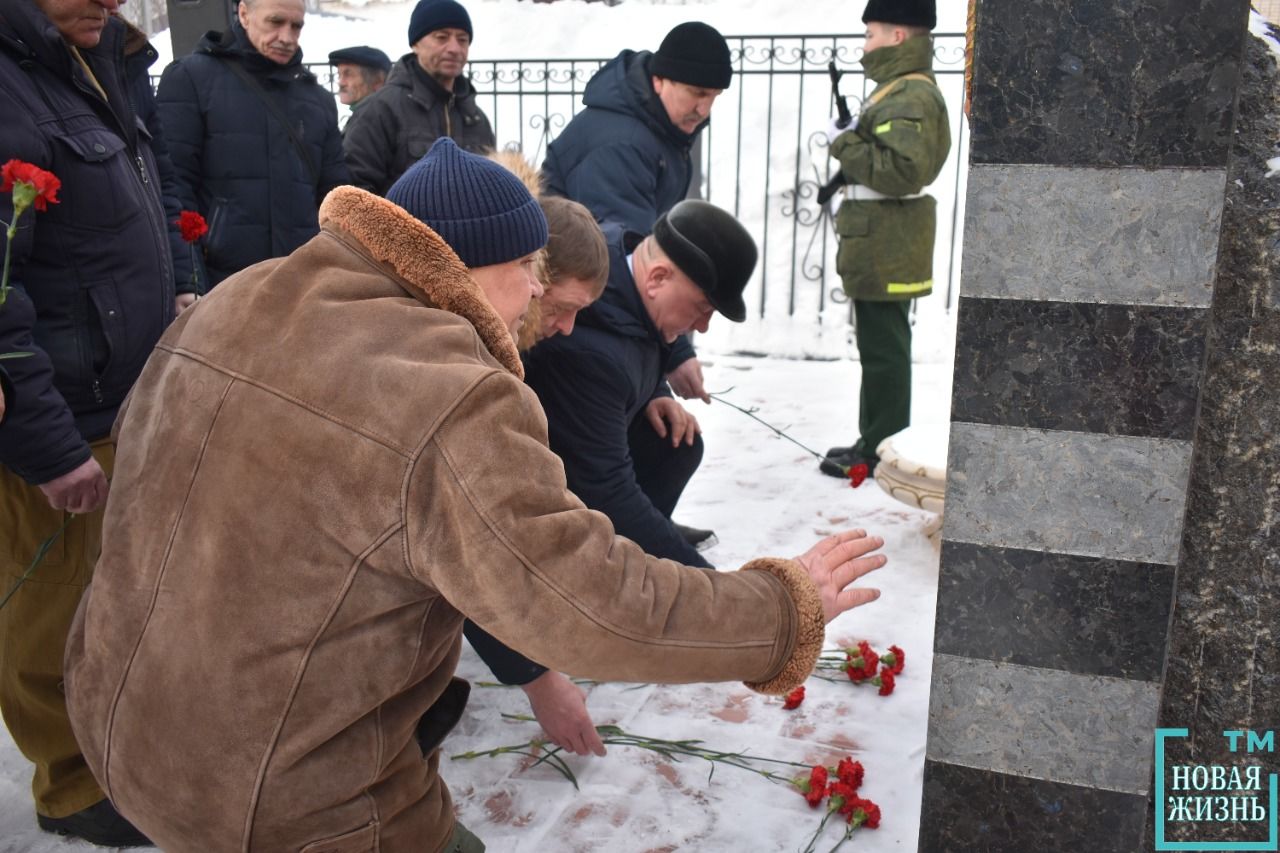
[909,13]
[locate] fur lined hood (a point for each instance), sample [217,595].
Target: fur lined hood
[421,261]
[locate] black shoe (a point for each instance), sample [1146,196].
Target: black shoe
[836,465]
[836,460]
[699,539]
[99,824]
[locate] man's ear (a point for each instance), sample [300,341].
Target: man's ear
[242,12]
[656,278]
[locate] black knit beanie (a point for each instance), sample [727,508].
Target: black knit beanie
[479,208]
[431,15]
[908,13]
[696,54]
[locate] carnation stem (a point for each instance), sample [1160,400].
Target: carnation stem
[751,413]
[40,554]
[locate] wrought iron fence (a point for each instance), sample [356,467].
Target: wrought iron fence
[764,155]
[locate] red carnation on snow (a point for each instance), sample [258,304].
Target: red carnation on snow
[794,698]
[815,787]
[885,681]
[896,659]
[857,474]
[850,772]
[863,813]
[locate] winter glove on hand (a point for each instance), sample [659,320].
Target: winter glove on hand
[834,129]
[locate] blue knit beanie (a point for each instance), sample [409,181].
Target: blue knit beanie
[479,208]
[431,15]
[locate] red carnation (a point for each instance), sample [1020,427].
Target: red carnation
[794,698]
[864,813]
[857,474]
[842,798]
[815,787]
[41,186]
[896,659]
[192,225]
[885,681]
[850,772]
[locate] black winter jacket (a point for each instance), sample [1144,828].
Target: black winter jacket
[400,122]
[92,277]
[621,156]
[592,385]
[236,163]
[188,262]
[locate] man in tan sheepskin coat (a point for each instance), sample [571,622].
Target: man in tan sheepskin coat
[315,486]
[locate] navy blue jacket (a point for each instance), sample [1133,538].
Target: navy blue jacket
[92,276]
[593,384]
[188,262]
[236,164]
[622,157]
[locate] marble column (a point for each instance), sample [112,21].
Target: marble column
[1101,137]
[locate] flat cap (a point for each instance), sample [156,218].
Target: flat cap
[363,55]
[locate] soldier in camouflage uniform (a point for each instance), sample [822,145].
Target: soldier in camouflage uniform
[886,224]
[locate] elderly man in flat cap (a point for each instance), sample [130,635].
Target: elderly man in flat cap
[361,71]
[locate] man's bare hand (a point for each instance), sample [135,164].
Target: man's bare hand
[79,491]
[686,380]
[838,561]
[662,411]
[182,302]
[561,709]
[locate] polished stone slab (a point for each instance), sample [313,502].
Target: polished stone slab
[1093,495]
[1224,653]
[1118,369]
[1099,83]
[978,810]
[1084,615]
[1077,729]
[1117,236]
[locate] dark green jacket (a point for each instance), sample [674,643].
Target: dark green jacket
[897,148]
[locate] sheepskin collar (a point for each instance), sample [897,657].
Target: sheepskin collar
[422,261]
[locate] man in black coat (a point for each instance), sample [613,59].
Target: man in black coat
[628,448]
[426,97]
[92,290]
[253,137]
[627,155]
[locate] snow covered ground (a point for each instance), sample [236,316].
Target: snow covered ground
[763,496]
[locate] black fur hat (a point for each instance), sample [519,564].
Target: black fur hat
[909,13]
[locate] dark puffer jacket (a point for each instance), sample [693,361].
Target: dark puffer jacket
[93,281]
[398,124]
[188,262]
[621,156]
[592,385]
[235,161]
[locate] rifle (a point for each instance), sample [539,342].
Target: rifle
[844,119]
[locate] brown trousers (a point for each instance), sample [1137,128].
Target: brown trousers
[33,633]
